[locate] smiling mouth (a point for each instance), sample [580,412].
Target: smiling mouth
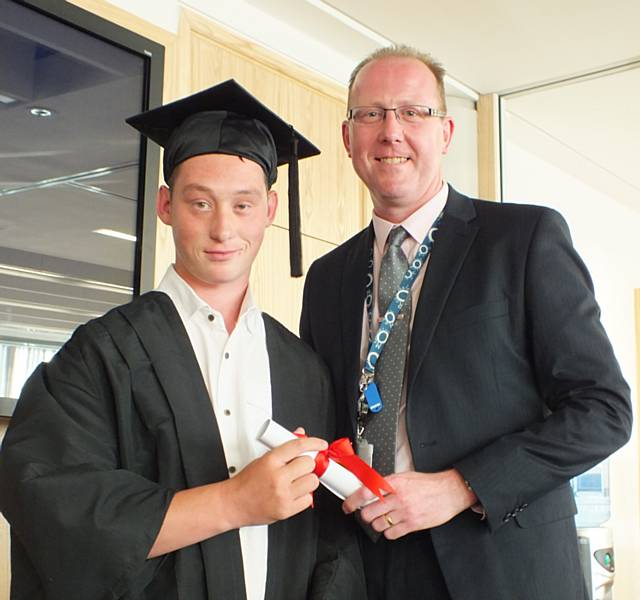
[221,254]
[393,160]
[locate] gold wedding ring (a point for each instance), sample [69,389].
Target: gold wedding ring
[388,519]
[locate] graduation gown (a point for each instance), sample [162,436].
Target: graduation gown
[106,433]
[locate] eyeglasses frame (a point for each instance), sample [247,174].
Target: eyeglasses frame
[431,112]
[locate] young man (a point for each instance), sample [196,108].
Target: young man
[131,467]
[504,386]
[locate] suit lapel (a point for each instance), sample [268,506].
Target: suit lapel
[165,340]
[353,291]
[454,238]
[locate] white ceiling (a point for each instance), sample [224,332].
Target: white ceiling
[489,45]
[497,45]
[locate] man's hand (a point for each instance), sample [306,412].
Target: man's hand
[275,486]
[420,501]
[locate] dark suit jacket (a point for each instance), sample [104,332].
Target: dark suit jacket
[511,380]
[104,435]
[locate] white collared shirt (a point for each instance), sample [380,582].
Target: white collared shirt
[417,225]
[235,369]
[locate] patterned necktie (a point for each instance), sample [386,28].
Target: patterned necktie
[381,428]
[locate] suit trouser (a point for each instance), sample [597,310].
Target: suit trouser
[406,568]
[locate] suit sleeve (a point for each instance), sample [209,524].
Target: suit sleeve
[587,405]
[82,522]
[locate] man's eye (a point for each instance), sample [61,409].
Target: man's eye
[367,114]
[372,114]
[412,113]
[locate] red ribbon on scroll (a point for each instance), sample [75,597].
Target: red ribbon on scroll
[341,451]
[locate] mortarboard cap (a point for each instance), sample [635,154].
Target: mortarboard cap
[226,119]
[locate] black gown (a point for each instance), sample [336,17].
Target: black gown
[107,432]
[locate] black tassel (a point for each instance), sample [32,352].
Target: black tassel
[295,239]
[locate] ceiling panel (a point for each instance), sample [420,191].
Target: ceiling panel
[497,45]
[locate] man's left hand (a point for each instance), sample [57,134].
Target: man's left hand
[420,501]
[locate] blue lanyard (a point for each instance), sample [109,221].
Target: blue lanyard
[368,389]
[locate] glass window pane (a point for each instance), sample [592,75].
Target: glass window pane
[69,183]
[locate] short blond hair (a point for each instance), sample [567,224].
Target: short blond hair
[402,51]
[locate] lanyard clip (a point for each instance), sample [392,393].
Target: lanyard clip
[363,406]
[365,379]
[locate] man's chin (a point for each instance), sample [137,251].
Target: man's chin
[221,275]
[395,196]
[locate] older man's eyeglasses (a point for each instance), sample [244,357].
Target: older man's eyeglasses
[411,114]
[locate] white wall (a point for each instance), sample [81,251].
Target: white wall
[461,163]
[539,170]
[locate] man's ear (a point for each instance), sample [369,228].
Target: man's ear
[447,132]
[346,140]
[163,204]
[272,205]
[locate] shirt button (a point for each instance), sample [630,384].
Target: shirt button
[226,355]
[227,412]
[232,469]
[211,317]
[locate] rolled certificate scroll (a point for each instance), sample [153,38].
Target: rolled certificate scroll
[336,478]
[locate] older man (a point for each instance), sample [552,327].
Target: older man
[131,467]
[465,345]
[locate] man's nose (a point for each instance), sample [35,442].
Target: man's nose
[391,128]
[221,226]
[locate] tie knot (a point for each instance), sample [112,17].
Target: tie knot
[397,235]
